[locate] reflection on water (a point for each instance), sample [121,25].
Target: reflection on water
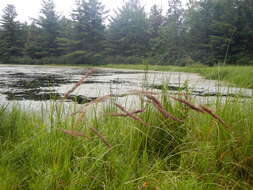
[28,84]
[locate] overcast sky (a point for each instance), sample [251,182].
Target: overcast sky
[31,8]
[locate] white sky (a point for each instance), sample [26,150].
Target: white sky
[31,8]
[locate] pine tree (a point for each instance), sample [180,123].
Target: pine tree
[48,23]
[199,21]
[171,46]
[222,30]
[243,40]
[89,32]
[65,40]
[128,30]
[156,21]
[34,41]
[11,44]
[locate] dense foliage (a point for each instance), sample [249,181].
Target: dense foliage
[204,31]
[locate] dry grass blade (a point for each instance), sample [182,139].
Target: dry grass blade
[78,112]
[140,92]
[125,115]
[189,104]
[73,133]
[161,109]
[82,112]
[134,92]
[215,116]
[117,114]
[96,101]
[79,83]
[106,97]
[138,111]
[102,138]
[99,99]
[132,115]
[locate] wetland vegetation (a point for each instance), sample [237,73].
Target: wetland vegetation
[164,145]
[146,119]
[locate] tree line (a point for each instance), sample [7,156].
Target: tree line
[203,31]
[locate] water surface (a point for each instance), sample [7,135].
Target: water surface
[35,85]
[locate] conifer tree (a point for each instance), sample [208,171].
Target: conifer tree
[48,23]
[128,30]
[171,47]
[89,31]
[11,44]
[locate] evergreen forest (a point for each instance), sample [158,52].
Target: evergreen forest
[199,32]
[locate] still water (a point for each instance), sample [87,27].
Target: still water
[35,85]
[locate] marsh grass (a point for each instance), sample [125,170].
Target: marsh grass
[124,148]
[164,142]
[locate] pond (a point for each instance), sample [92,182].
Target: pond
[35,85]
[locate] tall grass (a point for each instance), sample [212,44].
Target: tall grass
[207,149]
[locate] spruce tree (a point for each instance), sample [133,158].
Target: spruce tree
[11,44]
[128,30]
[156,20]
[33,47]
[48,23]
[171,47]
[89,32]
[89,25]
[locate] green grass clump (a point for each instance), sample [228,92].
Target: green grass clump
[196,152]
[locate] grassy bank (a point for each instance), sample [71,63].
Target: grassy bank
[166,146]
[240,76]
